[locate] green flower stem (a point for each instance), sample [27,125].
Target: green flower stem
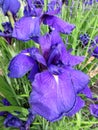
[11,19]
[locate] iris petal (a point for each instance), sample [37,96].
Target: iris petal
[26,28]
[94,110]
[57,23]
[20,65]
[51,95]
[78,105]
[79,79]
[11,5]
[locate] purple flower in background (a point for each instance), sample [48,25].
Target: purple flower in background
[5,103]
[94,110]
[7,33]
[93,49]
[84,38]
[34,8]
[10,5]
[13,121]
[26,28]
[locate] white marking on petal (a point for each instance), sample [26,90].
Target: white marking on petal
[27,54]
[56,79]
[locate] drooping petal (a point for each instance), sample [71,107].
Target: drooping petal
[20,65]
[94,110]
[26,28]
[78,105]
[79,79]
[87,92]
[57,23]
[52,95]
[71,59]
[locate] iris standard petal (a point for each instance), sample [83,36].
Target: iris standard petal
[94,110]
[20,65]
[11,5]
[79,79]
[26,28]
[78,105]
[34,53]
[34,71]
[57,23]
[45,43]
[52,95]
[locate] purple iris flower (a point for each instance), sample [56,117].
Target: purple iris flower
[54,6]
[13,121]
[54,80]
[10,5]
[26,28]
[93,50]
[84,38]
[94,110]
[55,89]
[5,103]
[7,33]
[34,8]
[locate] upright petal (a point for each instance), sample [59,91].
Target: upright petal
[52,95]
[11,5]
[26,28]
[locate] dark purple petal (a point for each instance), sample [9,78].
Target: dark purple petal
[45,43]
[94,110]
[57,23]
[33,72]
[5,102]
[26,28]
[10,5]
[12,121]
[3,113]
[76,108]
[20,65]
[49,41]
[79,79]
[52,95]
[34,53]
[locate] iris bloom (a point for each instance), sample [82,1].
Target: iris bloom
[10,5]
[55,82]
[34,8]
[7,33]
